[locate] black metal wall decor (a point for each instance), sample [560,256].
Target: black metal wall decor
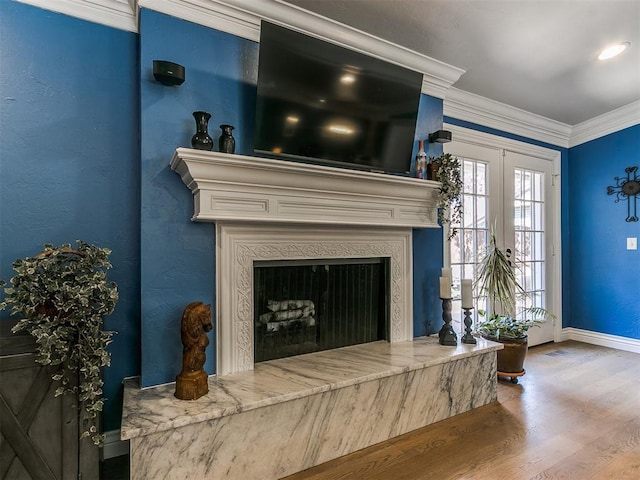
[627,188]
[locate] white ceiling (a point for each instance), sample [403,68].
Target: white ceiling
[536,55]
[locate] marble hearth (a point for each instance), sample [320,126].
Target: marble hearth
[290,414]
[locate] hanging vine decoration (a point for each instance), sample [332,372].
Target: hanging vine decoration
[625,189]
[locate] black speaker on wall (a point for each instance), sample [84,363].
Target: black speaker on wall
[168,73]
[441,136]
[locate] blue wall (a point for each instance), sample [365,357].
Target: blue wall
[177,259]
[69,165]
[603,279]
[428,248]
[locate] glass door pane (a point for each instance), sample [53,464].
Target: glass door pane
[471,240]
[528,216]
[481,169]
[527,186]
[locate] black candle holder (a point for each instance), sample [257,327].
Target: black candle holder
[468,336]
[447,335]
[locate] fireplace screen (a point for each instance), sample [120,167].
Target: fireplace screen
[312,305]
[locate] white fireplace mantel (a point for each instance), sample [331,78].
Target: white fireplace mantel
[268,209]
[243,188]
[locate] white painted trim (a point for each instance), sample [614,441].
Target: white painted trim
[473,108]
[607,123]
[113,446]
[488,140]
[241,188]
[239,245]
[556,236]
[210,13]
[602,339]
[242,18]
[489,113]
[121,14]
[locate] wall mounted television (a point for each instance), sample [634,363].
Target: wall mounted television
[321,103]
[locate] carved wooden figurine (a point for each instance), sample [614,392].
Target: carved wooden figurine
[191,383]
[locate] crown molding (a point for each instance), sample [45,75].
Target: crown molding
[242,18]
[121,14]
[488,140]
[210,13]
[489,113]
[607,123]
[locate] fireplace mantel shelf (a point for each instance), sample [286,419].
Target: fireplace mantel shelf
[243,188]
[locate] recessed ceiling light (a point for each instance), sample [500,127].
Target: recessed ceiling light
[613,50]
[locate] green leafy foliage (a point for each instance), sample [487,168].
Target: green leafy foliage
[502,327]
[449,174]
[497,279]
[62,296]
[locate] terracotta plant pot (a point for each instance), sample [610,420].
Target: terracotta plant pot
[511,358]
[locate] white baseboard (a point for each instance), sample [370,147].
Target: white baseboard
[602,339]
[113,446]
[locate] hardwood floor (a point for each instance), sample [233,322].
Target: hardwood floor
[574,415]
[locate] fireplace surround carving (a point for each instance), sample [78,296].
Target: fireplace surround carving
[240,245]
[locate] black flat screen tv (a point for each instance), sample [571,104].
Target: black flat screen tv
[322,103]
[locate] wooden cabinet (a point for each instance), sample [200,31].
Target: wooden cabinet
[40,435]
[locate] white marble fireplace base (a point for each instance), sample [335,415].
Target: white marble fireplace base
[290,414]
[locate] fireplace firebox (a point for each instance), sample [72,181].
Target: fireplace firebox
[304,306]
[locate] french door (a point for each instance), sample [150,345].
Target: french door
[508,188]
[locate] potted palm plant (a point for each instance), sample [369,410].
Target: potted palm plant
[62,296]
[446,169]
[496,278]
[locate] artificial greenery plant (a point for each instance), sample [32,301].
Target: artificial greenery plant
[447,170]
[496,278]
[500,327]
[62,296]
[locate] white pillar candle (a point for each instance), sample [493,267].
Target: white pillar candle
[467,293]
[445,287]
[446,272]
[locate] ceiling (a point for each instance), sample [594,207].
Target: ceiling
[536,55]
